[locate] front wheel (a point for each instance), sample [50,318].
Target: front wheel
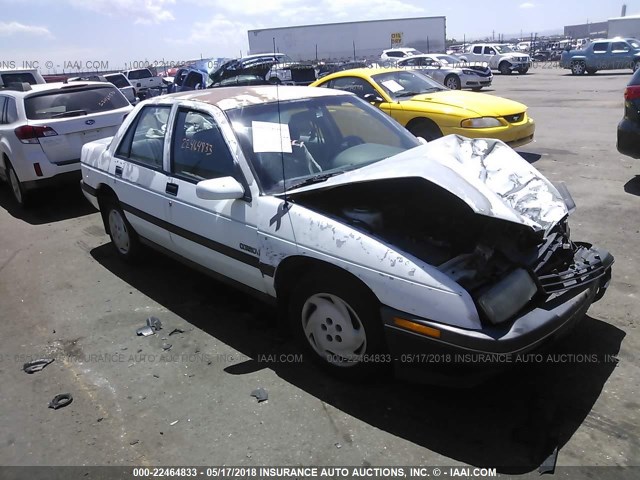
[578,68]
[453,82]
[505,68]
[337,321]
[425,129]
[524,70]
[123,237]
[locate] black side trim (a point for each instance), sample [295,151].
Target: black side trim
[67,162]
[194,237]
[89,189]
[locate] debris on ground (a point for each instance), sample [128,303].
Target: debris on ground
[174,422]
[166,347]
[37,365]
[549,465]
[61,400]
[145,331]
[176,330]
[260,394]
[134,442]
[338,445]
[154,323]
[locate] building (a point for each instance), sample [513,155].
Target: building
[587,30]
[344,41]
[627,27]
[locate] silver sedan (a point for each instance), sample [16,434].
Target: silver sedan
[450,71]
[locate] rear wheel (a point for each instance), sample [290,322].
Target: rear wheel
[578,68]
[505,68]
[123,237]
[453,82]
[337,321]
[18,190]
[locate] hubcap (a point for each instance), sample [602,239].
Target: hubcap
[15,185]
[333,329]
[578,68]
[452,83]
[119,232]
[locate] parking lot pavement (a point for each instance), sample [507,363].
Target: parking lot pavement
[64,294]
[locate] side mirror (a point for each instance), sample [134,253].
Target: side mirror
[224,188]
[373,98]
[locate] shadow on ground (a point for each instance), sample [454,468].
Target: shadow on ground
[633,186]
[513,422]
[47,205]
[530,156]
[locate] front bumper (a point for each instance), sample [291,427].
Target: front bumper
[514,134]
[629,138]
[460,356]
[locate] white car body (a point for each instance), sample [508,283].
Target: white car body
[237,228]
[397,53]
[54,152]
[143,79]
[497,56]
[28,75]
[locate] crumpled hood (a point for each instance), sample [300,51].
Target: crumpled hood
[482,104]
[486,174]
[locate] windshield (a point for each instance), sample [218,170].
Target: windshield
[118,80]
[634,43]
[67,102]
[448,59]
[406,83]
[305,141]
[504,49]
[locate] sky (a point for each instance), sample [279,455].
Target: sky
[52,34]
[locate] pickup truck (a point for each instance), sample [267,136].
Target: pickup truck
[142,80]
[497,56]
[610,54]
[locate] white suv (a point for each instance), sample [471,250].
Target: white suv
[16,75]
[397,53]
[43,129]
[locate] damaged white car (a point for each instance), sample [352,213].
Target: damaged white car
[376,246]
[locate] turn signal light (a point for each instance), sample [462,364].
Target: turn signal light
[416,327]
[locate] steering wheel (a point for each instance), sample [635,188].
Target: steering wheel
[351,141]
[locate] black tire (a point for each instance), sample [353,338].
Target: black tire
[505,68]
[452,82]
[578,68]
[275,81]
[20,194]
[591,71]
[476,89]
[636,65]
[523,71]
[124,238]
[425,129]
[336,320]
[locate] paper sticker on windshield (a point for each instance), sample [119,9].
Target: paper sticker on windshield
[271,137]
[393,85]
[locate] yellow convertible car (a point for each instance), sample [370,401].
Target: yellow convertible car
[429,110]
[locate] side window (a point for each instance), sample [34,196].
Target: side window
[600,47]
[199,151]
[412,62]
[11,111]
[354,85]
[3,102]
[620,47]
[144,141]
[477,49]
[489,51]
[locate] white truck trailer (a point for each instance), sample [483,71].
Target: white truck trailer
[344,41]
[625,27]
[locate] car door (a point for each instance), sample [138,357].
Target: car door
[220,235]
[360,87]
[140,183]
[601,55]
[621,55]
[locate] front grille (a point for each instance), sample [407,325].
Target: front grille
[579,273]
[514,118]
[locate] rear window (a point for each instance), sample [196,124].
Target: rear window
[24,77]
[70,102]
[138,74]
[119,81]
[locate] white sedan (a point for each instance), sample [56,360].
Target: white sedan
[376,246]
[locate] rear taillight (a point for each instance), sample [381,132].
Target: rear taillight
[31,134]
[632,92]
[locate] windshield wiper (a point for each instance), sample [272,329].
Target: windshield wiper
[70,113]
[321,177]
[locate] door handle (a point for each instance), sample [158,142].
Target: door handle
[172,188]
[118,171]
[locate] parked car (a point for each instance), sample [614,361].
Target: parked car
[117,79]
[449,71]
[188,78]
[15,75]
[145,82]
[629,127]
[609,54]
[43,129]
[375,246]
[429,110]
[276,68]
[324,69]
[397,53]
[498,57]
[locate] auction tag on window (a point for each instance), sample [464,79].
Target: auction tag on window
[271,137]
[393,86]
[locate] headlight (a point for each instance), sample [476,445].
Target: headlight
[482,122]
[468,72]
[504,299]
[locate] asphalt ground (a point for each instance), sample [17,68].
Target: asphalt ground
[64,294]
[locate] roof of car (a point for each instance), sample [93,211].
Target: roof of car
[227,98]
[43,87]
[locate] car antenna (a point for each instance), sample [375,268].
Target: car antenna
[284,177]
